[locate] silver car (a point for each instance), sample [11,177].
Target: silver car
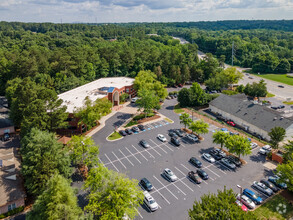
[150,201]
[263,188]
[170,175]
[228,163]
[208,157]
[162,138]
[246,201]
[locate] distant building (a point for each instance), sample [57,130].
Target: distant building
[110,88]
[255,118]
[6,125]
[12,193]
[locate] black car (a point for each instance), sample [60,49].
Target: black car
[195,162]
[128,131]
[270,185]
[281,106]
[281,86]
[173,134]
[179,132]
[144,144]
[146,184]
[202,174]
[234,160]
[135,129]
[193,176]
[141,127]
[275,107]
[215,154]
[123,133]
[175,141]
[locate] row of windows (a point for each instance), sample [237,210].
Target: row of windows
[11,206]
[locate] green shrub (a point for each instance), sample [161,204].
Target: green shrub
[229,92]
[141,116]
[132,122]
[12,212]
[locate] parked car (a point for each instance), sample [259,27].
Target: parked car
[128,131]
[208,157]
[275,180]
[6,137]
[162,138]
[253,145]
[220,152]
[144,144]
[215,154]
[133,100]
[175,141]
[135,129]
[180,85]
[150,201]
[270,185]
[193,176]
[122,132]
[275,107]
[195,162]
[252,195]
[231,123]
[246,201]
[250,77]
[228,163]
[234,160]
[179,132]
[202,174]
[173,134]
[241,205]
[192,137]
[265,149]
[281,106]
[168,97]
[175,95]
[262,188]
[146,184]
[281,86]
[172,97]
[141,127]
[225,130]
[170,175]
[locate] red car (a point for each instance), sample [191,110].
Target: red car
[180,85]
[240,204]
[231,123]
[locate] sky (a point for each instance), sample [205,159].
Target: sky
[111,11]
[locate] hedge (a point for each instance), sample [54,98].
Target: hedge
[12,212]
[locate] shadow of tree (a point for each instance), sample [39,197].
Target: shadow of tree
[258,158]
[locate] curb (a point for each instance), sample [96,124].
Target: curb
[112,140]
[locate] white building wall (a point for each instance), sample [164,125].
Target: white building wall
[241,122]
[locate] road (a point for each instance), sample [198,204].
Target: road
[283,94]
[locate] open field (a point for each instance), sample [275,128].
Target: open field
[282,78]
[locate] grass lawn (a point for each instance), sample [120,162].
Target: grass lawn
[282,78]
[115,135]
[168,120]
[132,122]
[288,103]
[177,109]
[270,95]
[269,209]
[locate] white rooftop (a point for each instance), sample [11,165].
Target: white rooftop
[74,98]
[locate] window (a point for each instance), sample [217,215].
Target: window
[127,90]
[131,89]
[11,207]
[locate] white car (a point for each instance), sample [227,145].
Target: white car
[253,145]
[246,201]
[133,100]
[263,188]
[170,175]
[208,157]
[162,138]
[150,201]
[265,149]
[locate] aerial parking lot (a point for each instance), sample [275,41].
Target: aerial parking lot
[174,199]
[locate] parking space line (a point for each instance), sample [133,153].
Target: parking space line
[112,163]
[138,212]
[119,160]
[161,195]
[220,169]
[178,187]
[182,144]
[168,147]
[101,161]
[126,157]
[165,187]
[158,146]
[182,181]
[132,154]
[140,153]
[213,172]
[151,127]
[156,151]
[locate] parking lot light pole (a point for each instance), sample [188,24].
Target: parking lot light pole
[240,189]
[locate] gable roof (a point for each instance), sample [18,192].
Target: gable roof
[257,115]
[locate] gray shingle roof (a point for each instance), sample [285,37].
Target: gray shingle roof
[257,115]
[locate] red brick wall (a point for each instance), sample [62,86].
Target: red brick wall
[276,157]
[18,203]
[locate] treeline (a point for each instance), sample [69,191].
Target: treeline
[63,57]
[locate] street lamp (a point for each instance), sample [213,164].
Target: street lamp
[240,187]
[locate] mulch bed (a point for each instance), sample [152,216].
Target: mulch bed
[287,195]
[148,119]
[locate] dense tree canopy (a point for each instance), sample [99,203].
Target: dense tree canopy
[42,156]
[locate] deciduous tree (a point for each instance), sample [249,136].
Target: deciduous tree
[238,145]
[220,137]
[277,134]
[199,127]
[185,119]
